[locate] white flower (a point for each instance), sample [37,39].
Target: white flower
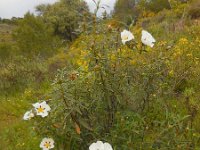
[47,143]
[126,36]
[147,38]
[99,145]
[42,109]
[28,115]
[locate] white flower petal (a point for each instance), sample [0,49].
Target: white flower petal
[36,105]
[147,38]
[43,103]
[44,114]
[126,36]
[28,115]
[93,146]
[51,140]
[107,146]
[151,45]
[97,146]
[47,107]
[100,144]
[52,146]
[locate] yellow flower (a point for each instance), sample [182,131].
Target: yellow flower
[183,41]
[113,57]
[189,55]
[132,62]
[162,43]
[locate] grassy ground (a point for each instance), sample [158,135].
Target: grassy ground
[5,33]
[14,132]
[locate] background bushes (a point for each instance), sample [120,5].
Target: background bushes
[193,11]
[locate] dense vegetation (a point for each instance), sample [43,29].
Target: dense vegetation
[129,95]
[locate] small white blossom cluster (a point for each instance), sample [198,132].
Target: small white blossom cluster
[41,109]
[146,39]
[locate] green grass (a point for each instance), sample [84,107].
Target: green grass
[6,33]
[15,132]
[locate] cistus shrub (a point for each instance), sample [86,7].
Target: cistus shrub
[124,92]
